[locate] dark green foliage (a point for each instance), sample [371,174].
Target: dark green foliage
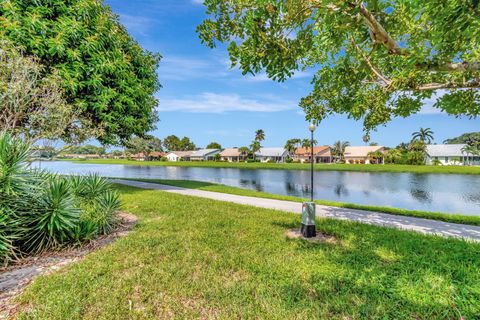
[174,143]
[41,211]
[214,145]
[464,138]
[105,73]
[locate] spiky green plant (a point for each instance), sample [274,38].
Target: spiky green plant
[53,220]
[107,204]
[41,211]
[14,155]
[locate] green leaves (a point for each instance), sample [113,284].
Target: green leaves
[374,60]
[104,72]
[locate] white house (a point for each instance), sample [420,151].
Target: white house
[446,154]
[175,156]
[272,155]
[204,154]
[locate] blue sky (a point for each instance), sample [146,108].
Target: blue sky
[204,99]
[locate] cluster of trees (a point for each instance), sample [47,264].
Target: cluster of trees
[69,70]
[414,152]
[468,138]
[85,149]
[293,144]
[174,143]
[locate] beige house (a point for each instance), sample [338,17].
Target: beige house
[232,155]
[321,154]
[361,155]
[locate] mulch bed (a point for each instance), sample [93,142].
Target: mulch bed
[16,276]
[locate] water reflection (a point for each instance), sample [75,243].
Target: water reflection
[432,192]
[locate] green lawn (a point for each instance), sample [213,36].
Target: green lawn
[297,166]
[198,258]
[455,218]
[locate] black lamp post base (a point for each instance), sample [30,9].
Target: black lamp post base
[308,231]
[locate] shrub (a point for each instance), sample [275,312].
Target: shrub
[41,211]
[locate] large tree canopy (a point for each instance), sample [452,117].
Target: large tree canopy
[105,74]
[375,59]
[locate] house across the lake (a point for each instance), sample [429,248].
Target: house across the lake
[232,155]
[175,156]
[204,155]
[81,156]
[449,154]
[272,155]
[321,154]
[363,155]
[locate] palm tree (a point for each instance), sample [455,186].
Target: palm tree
[338,149]
[244,151]
[366,138]
[292,144]
[470,150]
[424,134]
[259,135]
[255,147]
[306,143]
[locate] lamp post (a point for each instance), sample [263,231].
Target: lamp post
[308,229]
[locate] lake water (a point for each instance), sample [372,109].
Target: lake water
[450,193]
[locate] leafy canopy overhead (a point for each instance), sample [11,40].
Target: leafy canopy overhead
[374,59]
[105,74]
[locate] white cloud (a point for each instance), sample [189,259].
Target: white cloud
[187,68]
[209,102]
[197,1]
[136,24]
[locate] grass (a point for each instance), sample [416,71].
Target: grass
[207,186]
[297,166]
[198,258]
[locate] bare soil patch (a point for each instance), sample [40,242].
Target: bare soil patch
[320,237]
[15,277]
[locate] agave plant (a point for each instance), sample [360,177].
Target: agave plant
[7,235]
[54,217]
[14,155]
[106,206]
[90,187]
[40,211]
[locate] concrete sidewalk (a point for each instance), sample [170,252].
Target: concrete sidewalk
[375,218]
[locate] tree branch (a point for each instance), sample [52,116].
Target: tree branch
[378,32]
[448,85]
[451,66]
[369,63]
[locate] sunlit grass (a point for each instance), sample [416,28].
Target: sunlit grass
[197,258]
[207,186]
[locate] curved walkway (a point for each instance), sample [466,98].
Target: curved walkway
[426,226]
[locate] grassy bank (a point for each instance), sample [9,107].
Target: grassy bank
[297,166]
[455,218]
[197,258]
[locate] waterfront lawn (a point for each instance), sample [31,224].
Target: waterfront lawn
[455,218]
[296,166]
[198,258]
